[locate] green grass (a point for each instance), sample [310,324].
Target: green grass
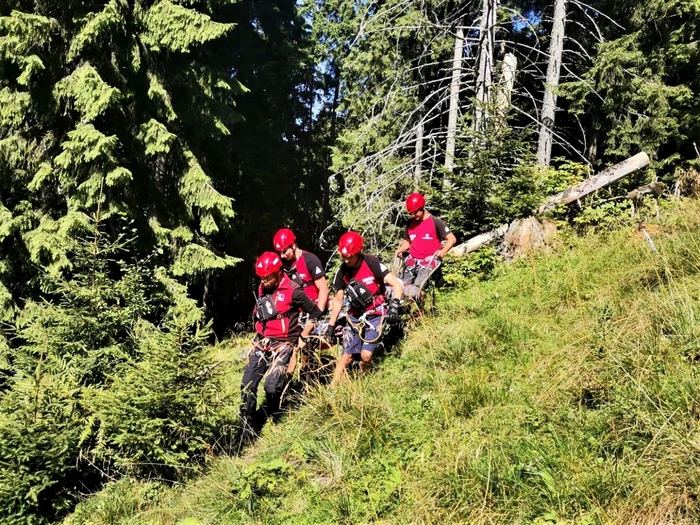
[565,389]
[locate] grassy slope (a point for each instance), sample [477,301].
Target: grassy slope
[564,390]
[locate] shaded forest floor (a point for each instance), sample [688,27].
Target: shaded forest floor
[564,389]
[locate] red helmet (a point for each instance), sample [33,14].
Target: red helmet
[283,239]
[350,243]
[268,263]
[415,202]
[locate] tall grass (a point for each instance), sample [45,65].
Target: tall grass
[564,390]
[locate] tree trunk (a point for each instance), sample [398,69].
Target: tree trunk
[419,149]
[420,128]
[484,79]
[327,209]
[454,100]
[205,292]
[505,91]
[334,105]
[480,240]
[549,103]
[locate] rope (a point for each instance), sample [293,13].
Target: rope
[295,374]
[359,328]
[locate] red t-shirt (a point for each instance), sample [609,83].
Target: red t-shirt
[425,236]
[304,271]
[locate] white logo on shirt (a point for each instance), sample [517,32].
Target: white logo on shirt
[427,237]
[412,236]
[318,271]
[368,280]
[383,268]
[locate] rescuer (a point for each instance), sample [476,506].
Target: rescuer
[362,280]
[277,311]
[303,267]
[423,241]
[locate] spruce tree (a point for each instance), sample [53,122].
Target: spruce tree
[117,106]
[109,111]
[641,92]
[109,377]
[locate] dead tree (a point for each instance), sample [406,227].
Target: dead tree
[604,178]
[420,128]
[654,189]
[454,100]
[484,78]
[418,158]
[572,194]
[505,89]
[477,242]
[549,103]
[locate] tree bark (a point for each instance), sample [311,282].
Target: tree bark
[327,210]
[480,240]
[549,103]
[484,79]
[334,105]
[420,127]
[454,100]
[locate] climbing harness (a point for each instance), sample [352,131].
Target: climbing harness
[362,324]
[268,350]
[410,268]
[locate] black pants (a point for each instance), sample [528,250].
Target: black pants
[275,363]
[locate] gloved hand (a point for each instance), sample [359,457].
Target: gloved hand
[392,315]
[329,332]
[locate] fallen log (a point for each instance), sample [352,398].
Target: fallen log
[477,242]
[572,194]
[604,178]
[655,189]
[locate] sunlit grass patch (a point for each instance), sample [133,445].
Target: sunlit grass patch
[564,390]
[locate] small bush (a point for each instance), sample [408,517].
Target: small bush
[109,377]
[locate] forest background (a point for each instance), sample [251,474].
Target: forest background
[150,149]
